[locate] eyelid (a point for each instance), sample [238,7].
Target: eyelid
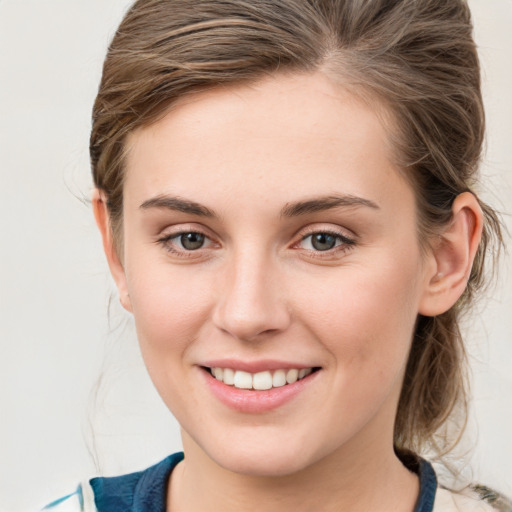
[181,228]
[348,241]
[172,232]
[343,233]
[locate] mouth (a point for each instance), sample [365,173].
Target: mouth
[260,381]
[259,387]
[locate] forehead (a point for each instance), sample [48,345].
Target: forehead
[299,134]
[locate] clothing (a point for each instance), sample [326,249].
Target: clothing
[145,491]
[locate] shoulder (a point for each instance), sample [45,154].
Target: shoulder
[140,491]
[472,499]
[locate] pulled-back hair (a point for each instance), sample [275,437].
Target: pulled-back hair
[417,58]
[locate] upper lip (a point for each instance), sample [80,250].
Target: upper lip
[255,366]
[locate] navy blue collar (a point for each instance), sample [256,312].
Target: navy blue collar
[146,491]
[428,487]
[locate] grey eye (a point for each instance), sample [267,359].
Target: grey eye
[323,241]
[192,241]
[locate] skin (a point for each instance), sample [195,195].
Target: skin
[258,289]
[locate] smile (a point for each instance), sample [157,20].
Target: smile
[257,387]
[260,381]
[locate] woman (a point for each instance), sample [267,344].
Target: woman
[285,193]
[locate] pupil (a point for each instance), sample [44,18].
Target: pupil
[192,241]
[323,241]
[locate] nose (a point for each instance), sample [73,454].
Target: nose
[252,301]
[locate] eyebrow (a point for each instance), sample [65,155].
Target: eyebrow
[295,209]
[320,204]
[179,205]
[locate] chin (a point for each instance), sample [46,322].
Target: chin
[271,466]
[264,460]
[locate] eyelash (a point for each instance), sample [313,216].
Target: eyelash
[343,243]
[166,242]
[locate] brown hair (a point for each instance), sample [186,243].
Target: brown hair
[417,57]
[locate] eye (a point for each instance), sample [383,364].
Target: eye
[323,241]
[191,241]
[184,243]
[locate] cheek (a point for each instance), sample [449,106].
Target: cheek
[169,312]
[366,322]
[365,316]
[169,306]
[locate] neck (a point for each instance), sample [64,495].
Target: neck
[356,478]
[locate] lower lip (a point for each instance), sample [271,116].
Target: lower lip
[252,401]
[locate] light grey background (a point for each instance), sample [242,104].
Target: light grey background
[56,336]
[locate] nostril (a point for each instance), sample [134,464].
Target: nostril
[251,305]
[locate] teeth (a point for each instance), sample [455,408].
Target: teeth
[229,376]
[292,376]
[259,381]
[279,378]
[262,380]
[242,380]
[304,372]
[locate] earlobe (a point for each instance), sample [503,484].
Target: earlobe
[452,256]
[102,217]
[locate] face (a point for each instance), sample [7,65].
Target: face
[266,231]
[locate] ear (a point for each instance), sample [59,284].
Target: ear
[101,214]
[452,256]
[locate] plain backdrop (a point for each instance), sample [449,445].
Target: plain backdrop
[74,396]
